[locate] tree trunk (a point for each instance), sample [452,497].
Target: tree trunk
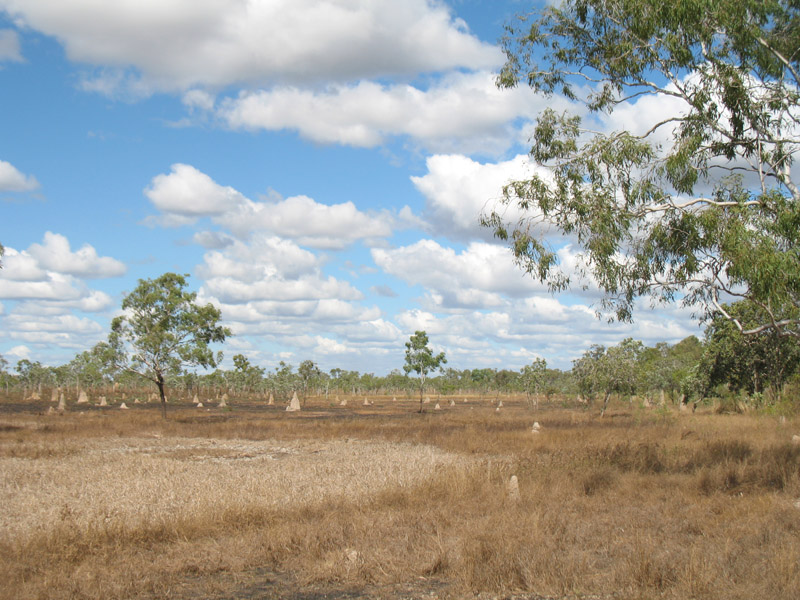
[160,384]
[605,403]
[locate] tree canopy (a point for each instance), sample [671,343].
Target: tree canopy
[602,372]
[699,205]
[755,363]
[163,329]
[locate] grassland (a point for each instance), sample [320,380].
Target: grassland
[379,501]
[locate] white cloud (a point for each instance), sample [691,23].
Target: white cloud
[55,287]
[261,257]
[189,193]
[55,255]
[375,331]
[31,327]
[463,112]
[308,222]
[198,100]
[19,352]
[44,300]
[91,301]
[458,190]
[233,291]
[48,327]
[21,266]
[9,46]
[11,180]
[180,44]
[478,277]
[326,346]
[186,194]
[275,272]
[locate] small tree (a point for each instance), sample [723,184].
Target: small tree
[3,374]
[247,377]
[283,380]
[421,360]
[163,330]
[532,377]
[605,372]
[308,371]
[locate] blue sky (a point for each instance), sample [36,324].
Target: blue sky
[318,168]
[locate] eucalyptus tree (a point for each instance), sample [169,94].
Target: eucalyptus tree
[246,376]
[95,367]
[753,364]
[283,380]
[482,380]
[32,374]
[421,360]
[4,375]
[162,329]
[699,204]
[308,372]
[532,378]
[603,372]
[397,381]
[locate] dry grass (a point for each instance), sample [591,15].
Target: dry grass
[110,504]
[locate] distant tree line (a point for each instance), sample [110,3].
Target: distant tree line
[725,364]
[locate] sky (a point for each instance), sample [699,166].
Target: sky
[318,169]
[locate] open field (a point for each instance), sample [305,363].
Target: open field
[379,501]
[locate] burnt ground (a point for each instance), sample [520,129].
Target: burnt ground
[263,585]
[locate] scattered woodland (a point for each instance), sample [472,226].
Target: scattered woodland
[726,370]
[667,472]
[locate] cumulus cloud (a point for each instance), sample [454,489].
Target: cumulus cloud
[274,276]
[260,258]
[9,46]
[55,255]
[55,295]
[375,331]
[43,306]
[89,301]
[49,329]
[19,352]
[46,288]
[271,288]
[186,194]
[11,180]
[308,222]
[21,266]
[179,44]
[479,277]
[463,112]
[458,190]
